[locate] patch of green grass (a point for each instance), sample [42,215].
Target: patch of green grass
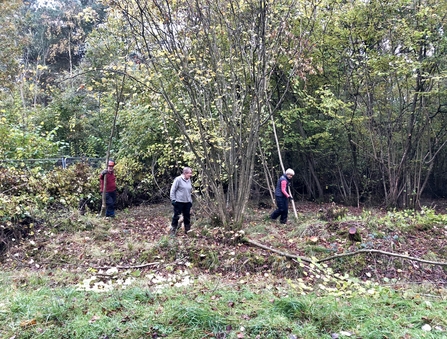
[248,307]
[198,319]
[291,308]
[206,258]
[259,227]
[312,250]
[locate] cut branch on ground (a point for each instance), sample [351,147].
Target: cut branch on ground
[367,251]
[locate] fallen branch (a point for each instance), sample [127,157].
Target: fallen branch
[292,256]
[12,188]
[127,267]
[391,254]
[287,255]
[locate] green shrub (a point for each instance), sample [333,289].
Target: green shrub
[408,220]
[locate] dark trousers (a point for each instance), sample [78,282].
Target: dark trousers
[282,210]
[185,209]
[110,204]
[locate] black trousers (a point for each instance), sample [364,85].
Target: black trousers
[185,209]
[110,204]
[282,210]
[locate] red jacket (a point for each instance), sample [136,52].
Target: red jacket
[111,181]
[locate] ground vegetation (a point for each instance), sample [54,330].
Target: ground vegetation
[127,277]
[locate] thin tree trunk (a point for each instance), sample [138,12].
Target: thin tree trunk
[268,177]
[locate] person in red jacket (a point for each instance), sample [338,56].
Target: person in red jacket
[110,187]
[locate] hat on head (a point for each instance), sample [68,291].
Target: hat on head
[290,171]
[111,163]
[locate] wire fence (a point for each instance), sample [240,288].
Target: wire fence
[52,163]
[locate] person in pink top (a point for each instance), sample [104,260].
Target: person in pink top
[282,197]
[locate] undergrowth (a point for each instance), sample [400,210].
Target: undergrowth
[210,285]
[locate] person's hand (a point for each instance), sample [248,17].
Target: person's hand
[173,202]
[103,173]
[290,198]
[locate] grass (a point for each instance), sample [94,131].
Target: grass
[44,307]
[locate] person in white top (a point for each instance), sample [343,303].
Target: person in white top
[181,191]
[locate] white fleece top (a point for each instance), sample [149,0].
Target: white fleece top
[181,189]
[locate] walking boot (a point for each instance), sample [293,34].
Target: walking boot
[187,228]
[173,232]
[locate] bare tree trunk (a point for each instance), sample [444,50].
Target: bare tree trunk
[267,174]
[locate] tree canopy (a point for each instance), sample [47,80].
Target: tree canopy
[355,90]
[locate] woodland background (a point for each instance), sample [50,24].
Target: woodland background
[350,94]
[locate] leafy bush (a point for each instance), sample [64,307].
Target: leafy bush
[65,187]
[27,196]
[15,207]
[18,144]
[136,183]
[422,220]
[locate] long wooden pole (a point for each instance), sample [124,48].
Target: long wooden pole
[282,165]
[119,95]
